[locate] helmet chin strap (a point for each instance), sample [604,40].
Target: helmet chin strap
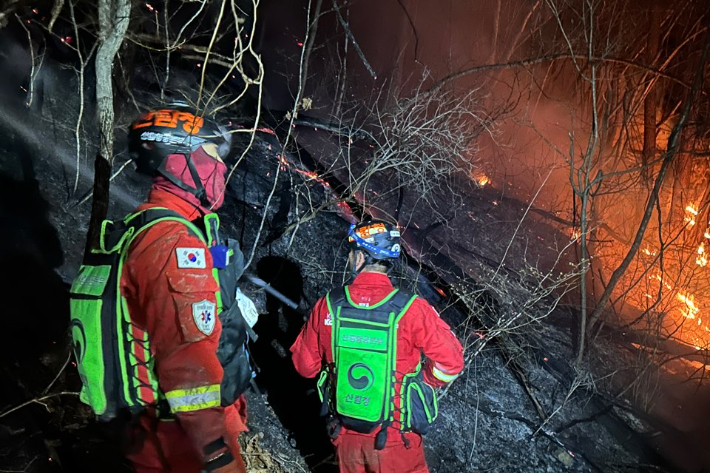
[198,191]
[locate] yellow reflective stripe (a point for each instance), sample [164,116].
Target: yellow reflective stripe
[441,376]
[193,399]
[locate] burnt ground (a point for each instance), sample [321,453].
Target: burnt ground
[487,422]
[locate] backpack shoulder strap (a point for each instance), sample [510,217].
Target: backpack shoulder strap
[145,219]
[335,298]
[116,235]
[400,302]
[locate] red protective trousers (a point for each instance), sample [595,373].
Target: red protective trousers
[171,295]
[356,454]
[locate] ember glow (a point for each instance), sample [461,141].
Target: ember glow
[310,175]
[481,179]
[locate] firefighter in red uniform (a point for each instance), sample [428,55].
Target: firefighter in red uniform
[172,295]
[370,333]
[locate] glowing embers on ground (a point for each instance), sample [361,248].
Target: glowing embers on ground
[309,174]
[480,178]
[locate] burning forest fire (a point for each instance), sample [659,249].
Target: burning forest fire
[678,284]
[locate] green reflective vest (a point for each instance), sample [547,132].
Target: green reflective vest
[360,386]
[113,355]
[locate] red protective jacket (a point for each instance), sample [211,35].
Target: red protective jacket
[166,297]
[420,330]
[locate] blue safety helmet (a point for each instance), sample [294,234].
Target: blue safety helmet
[377,238]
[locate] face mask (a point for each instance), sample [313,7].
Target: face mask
[210,170]
[215,185]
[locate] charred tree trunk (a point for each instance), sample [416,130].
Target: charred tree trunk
[113,23]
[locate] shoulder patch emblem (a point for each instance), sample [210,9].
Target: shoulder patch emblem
[191,258]
[328,320]
[203,313]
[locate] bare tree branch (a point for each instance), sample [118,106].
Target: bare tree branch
[547,58]
[668,157]
[349,33]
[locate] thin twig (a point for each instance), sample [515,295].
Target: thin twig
[38,400]
[346,27]
[59,373]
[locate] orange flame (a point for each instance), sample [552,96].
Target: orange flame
[702,259]
[692,212]
[480,178]
[691,310]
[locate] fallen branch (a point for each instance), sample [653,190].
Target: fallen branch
[584,420]
[38,400]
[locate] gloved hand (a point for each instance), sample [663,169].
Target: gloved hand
[221,460]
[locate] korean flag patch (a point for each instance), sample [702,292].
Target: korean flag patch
[191,258]
[203,313]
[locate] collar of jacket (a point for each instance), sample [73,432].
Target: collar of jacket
[371,279]
[162,198]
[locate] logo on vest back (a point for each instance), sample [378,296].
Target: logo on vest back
[78,339]
[203,313]
[360,376]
